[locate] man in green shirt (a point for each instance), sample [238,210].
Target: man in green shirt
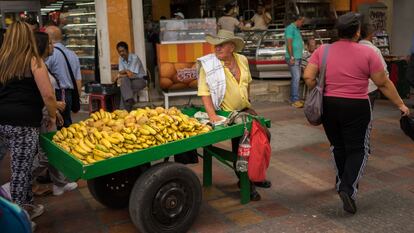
[294,50]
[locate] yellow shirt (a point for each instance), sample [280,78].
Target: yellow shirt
[236,96]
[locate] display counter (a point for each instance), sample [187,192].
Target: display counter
[266,50]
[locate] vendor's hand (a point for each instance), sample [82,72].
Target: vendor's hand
[123,72]
[59,119]
[215,118]
[292,61]
[51,124]
[61,105]
[251,111]
[129,74]
[404,110]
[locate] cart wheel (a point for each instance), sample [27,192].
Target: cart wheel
[113,190]
[166,198]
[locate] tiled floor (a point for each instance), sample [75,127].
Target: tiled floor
[302,198]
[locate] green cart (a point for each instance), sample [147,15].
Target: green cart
[162,196]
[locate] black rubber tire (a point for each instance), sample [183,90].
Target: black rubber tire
[113,190]
[166,198]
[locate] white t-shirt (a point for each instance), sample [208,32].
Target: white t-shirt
[259,22]
[228,23]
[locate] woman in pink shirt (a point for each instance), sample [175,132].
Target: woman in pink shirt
[346,107]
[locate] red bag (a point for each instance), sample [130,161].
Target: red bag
[259,153]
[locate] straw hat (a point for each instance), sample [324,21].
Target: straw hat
[224,36]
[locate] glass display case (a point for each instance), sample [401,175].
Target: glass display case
[381,40]
[265,51]
[80,36]
[186,30]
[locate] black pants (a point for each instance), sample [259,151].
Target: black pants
[347,124]
[410,71]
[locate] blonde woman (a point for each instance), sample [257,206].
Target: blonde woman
[24,89]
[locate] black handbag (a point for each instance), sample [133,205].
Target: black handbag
[75,94]
[407,126]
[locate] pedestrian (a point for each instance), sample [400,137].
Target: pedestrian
[131,74]
[310,47]
[228,21]
[293,56]
[62,64]
[261,19]
[24,90]
[367,33]
[60,183]
[346,108]
[224,79]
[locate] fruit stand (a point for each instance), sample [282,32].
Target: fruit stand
[162,196]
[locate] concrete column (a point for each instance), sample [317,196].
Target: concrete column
[138,30]
[103,41]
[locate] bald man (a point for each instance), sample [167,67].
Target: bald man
[63,64]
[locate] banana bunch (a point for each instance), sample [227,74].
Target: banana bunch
[106,135]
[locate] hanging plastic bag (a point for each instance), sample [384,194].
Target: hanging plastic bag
[260,151]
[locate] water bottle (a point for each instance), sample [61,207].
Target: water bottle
[243,153]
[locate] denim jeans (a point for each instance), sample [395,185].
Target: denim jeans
[295,71]
[67,119]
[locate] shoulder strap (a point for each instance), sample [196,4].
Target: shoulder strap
[54,77]
[323,66]
[72,76]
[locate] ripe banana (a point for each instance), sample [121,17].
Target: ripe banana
[77,155]
[90,159]
[144,131]
[64,132]
[88,143]
[84,146]
[97,134]
[151,130]
[80,150]
[101,148]
[106,143]
[60,135]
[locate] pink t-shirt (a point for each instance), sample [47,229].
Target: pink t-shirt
[348,68]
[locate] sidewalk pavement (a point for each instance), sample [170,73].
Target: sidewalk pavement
[302,198]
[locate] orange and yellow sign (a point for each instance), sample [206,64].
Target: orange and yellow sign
[176,64]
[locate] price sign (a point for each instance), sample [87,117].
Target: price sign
[378,18]
[187,74]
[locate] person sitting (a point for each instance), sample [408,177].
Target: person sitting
[224,79]
[131,74]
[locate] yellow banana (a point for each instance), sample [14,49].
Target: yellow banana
[65,147]
[124,150]
[117,149]
[77,155]
[129,142]
[80,150]
[154,126]
[84,146]
[94,116]
[175,136]
[64,132]
[74,141]
[76,126]
[160,138]
[113,151]
[151,130]
[72,130]
[60,135]
[174,127]
[118,136]
[90,159]
[82,123]
[98,158]
[106,143]
[144,145]
[79,135]
[109,138]
[88,143]
[137,146]
[129,146]
[98,115]
[70,134]
[144,131]
[130,151]
[101,153]
[102,113]
[55,138]
[101,148]
[97,134]
[127,130]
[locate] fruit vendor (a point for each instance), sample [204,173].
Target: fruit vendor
[224,79]
[131,74]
